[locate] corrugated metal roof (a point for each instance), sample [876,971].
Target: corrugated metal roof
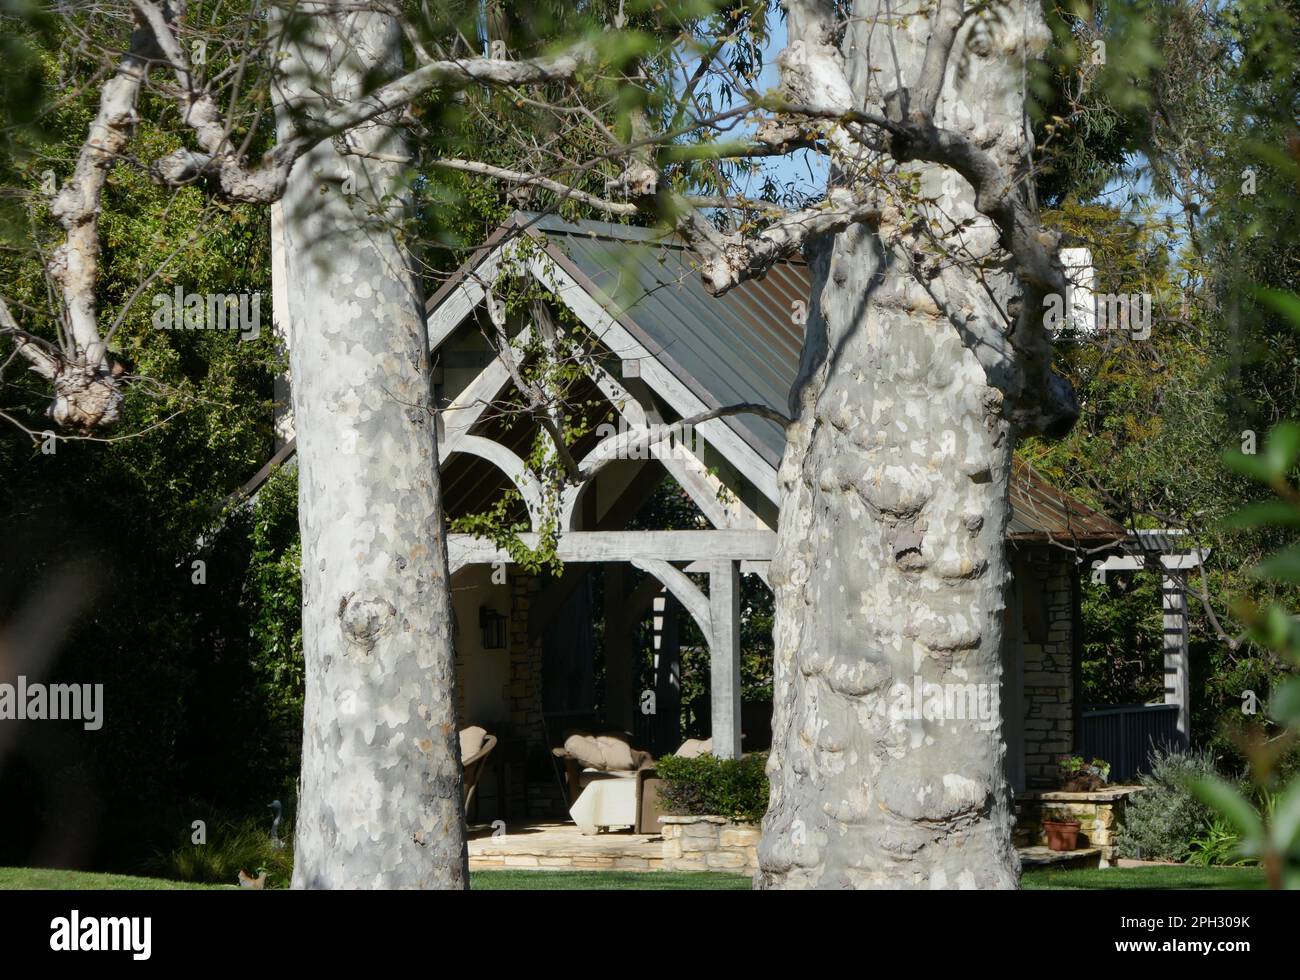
[1040,510]
[744,346]
[741,347]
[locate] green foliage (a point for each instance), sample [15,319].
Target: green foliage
[1217,845]
[1164,819]
[1271,833]
[273,600]
[200,679]
[232,846]
[709,786]
[1205,215]
[1088,116]
[1078,775]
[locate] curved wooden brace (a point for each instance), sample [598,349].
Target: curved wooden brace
[687,469]
[628,407]
[605,449]
[512,466]
[683,589]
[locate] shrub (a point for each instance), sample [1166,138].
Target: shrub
[231,847]
[1164,819]
[1219,844]
[709,786]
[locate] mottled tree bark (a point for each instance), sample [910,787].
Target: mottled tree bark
[380,795]
[891,562]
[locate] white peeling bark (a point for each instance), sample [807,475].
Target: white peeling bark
[380,794]
[891,562]
[87,394]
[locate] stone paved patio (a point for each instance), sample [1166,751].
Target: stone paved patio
[563,847]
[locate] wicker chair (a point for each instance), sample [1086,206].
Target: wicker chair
[479,744]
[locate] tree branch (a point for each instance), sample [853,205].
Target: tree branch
[943,32]
[729,260]
[266,182]
[86,394]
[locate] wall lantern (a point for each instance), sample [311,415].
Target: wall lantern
[493,625]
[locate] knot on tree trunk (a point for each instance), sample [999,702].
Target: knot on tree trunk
[365,620]
[86,401]
[639,181]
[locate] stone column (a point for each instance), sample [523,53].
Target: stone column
[526,722]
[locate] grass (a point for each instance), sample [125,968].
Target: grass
[27,879]
[46,878]
[1165,877]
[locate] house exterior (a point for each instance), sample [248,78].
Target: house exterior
[659,350]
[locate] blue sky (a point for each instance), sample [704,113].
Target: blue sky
[807,171]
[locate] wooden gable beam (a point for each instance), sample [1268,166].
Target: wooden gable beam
[675,392]
[468,407]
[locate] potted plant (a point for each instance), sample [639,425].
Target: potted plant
[1062,835]
[1077,776]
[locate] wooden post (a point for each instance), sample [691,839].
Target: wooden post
[1177,678]
[668,676]
[619,679]
[724,658]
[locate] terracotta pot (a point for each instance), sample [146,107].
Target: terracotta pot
[1062,835]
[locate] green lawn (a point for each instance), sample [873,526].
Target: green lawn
[1173,876]
[44,878]
[49,878]
[1154,878]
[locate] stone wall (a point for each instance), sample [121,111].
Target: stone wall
[1100,816]
[532,771]
[1047,615]
[709,844]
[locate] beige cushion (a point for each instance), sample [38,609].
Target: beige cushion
[608,753]
[471,740]
[694,747]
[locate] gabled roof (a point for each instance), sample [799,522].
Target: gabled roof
[741,347]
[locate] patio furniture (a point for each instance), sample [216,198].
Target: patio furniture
[475,746]
[585,754]
[608,800]
[613,784]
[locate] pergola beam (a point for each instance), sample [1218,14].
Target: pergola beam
[448,315]
[470,405]
[732,544]
[1177,680]
[684,401]
[1162,550]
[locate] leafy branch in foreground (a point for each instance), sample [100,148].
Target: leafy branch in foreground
[1270,833]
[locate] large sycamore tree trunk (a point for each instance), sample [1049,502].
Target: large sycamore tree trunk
[891,563]
[380,794]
